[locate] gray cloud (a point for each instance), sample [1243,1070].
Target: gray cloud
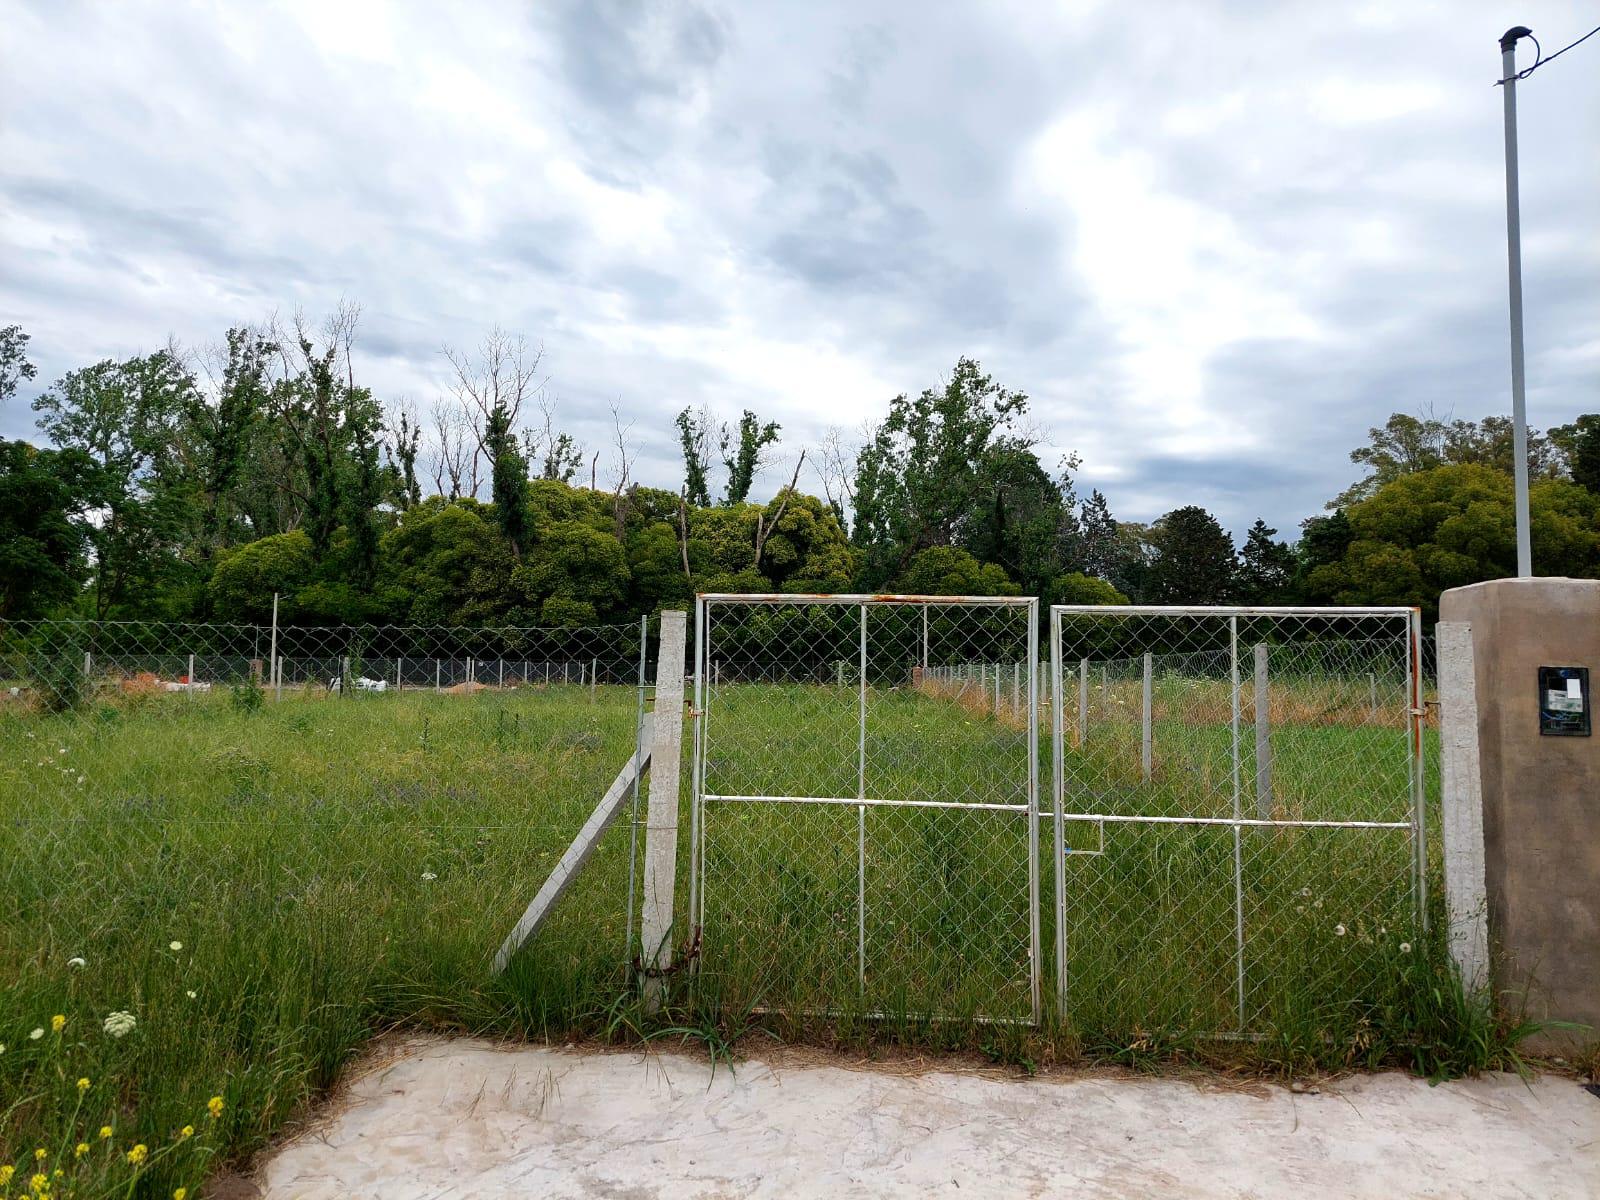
[1214,243]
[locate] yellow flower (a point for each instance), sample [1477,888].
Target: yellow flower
[80,1150]
[187,1131]
[41,1154]
[179,1193]
[214,1107]
[138,1154]
[57,1023]
[83,1085]
[105,1131]
[38,1183]
[6,1172]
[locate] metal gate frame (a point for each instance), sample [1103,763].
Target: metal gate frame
[1029,810]
[1416,824]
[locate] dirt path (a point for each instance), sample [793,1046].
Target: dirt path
[470,1119]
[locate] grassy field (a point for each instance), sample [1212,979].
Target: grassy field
[263,890]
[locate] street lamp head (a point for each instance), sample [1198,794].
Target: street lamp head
[1509,39]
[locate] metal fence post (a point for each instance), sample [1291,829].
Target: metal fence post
[272,651]
[1145,760]
[1035,949]
[189,678]
[1238,857]
[1263,709]
[1058,821]
[861,815]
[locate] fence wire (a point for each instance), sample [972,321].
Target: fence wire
[866,794]
[382,793]
[1239,800]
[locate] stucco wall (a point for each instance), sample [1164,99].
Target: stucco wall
[1541,795]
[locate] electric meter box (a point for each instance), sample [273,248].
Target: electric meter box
[1564,709]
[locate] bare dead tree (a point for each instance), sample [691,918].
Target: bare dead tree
[764,527]
[621,492]
[455,459]
[836,470]
[503,373]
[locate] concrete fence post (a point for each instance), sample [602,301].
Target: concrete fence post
[1462,805]
[661,808]
[1263,706]
[1145,757]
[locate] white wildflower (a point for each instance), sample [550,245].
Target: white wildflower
[36,1035]
[77,964]
[120,1024]
[63,750]
[1405,947]
[174,946]
[191,994]
[80,780]
[1338,931]
[429,875]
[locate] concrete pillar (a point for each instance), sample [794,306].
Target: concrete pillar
[1462,802]
[1540,796]
[661,807]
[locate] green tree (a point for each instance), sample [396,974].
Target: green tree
[509,480]
[1023,519]
[1454,525]
[951,571]
[742,453]
[245,579]
[44,497]
[917,480]
[445,563]
[126,418]
[1077,588]
[572,564]
[14,364]
[1405,445]
[1580,442]
[1266,567]
[694,439]
[1193,559]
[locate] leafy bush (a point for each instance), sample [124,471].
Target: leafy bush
[247,695]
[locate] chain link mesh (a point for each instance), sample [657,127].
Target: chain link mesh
[865,791]
[1240,800]
[388,795]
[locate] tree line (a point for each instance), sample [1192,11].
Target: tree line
[179,486]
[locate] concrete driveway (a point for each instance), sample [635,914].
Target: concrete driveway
[460,1118]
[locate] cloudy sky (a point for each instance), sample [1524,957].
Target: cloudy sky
[1213,242]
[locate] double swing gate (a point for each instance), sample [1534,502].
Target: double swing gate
[1234,836]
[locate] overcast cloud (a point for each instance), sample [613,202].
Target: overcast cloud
[1213,242]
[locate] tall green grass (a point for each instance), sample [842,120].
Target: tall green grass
[330,868]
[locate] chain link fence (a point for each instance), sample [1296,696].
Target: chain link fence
[866,795]
[381,795]
[1239,801]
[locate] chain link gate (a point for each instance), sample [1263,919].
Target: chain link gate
[866,800]
[1239,807]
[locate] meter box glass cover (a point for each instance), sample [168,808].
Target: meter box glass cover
[1564,701]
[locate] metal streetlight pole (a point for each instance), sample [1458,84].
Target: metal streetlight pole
[1519,406]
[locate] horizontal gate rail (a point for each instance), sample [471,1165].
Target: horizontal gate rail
[869,802]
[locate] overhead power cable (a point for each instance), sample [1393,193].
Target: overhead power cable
[1539,58]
